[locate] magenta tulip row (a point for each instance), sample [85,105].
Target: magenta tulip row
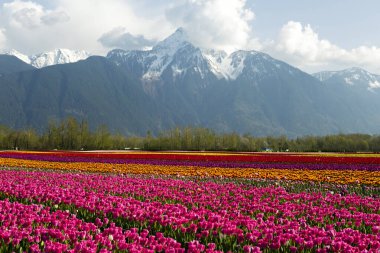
[35,228]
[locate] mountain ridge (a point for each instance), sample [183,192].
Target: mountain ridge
[352,76]
[178,84]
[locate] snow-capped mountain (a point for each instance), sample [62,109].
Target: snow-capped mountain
[178,56]
[221,90]
[355,77]
[249,63]
[174,54]
[57,56]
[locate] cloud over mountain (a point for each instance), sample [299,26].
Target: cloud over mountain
[120,38]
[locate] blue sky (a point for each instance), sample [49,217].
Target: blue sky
[312,35]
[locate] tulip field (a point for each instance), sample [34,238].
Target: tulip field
[189,202]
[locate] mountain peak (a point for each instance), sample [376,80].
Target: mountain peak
[56,56]
[359,76]
[180,32]
[176,40]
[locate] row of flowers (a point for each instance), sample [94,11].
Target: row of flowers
[36,228]
[221,157]
[332,176]
[199,163]
[196,216]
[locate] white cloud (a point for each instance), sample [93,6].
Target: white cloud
[300,45]
[214,23]
[32,28]
[303,42]
[30,15]
[120,38]
[55,17]
[19,14]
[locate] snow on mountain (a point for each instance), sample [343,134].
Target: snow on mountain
[352,77]
[163,54]
[57,56]
[224,65]
[216,60]
[228,66]
[233,65]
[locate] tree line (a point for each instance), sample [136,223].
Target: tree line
[71,134]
